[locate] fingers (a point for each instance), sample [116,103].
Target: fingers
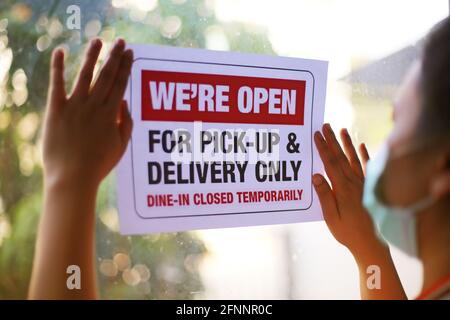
[336,149]
[364,155]
[330,162]
[351,154]
[108,72]
[326,199]
[83,83]
[125,124]
[57,92]
[118,89]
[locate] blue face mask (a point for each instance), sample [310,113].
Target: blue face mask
[397,225]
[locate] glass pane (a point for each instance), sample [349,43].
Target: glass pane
[369,46]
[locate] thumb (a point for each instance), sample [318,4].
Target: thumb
[125,123]
[327,200]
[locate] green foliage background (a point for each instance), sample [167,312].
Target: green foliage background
[172,258]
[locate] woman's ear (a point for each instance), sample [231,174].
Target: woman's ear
[440,182]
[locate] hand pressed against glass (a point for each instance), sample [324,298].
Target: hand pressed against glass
[345,215]
[87,132]
[341,202]
[85,136]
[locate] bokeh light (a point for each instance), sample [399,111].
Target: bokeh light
[171,27]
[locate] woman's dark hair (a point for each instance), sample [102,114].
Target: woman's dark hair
[435,83]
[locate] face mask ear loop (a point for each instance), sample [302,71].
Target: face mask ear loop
[422,204]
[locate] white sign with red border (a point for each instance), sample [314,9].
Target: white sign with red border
[220,140]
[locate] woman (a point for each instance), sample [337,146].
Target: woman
[406,187]
[87,132]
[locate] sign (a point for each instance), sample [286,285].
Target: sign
[220,140]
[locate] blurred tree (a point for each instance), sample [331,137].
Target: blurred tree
[161,266]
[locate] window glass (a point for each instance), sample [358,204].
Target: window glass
[369,46]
